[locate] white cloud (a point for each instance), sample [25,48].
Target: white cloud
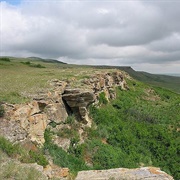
[138,33]
[102,11]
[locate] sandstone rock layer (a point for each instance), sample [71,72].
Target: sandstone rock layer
[148,173]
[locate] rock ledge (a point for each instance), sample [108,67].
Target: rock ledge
[148,173]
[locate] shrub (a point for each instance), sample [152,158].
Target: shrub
[28,62]
[38,157]
[2,111]
[33,65]
[9,148]
[102,98]
[70,120]
[53,124]
[15,150]
[6,59]
[37,66]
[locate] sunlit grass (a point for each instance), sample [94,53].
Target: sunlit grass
[18,80]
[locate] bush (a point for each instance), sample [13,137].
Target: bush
[16,151]
[53,124]
[2,111]
[70,120]
[27,62]
[33,65]
[38,157]
[9,148]
[102,98]
[37,66]
[6,59]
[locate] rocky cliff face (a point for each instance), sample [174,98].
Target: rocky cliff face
[27,122]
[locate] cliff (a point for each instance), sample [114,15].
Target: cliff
[26,123]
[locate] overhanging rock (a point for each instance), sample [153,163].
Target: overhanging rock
[78,102]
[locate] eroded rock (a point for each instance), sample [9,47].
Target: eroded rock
[78,101]
[54,171]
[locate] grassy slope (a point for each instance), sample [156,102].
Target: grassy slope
[169,82]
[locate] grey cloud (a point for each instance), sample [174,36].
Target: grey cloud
[168,44]
[93,32]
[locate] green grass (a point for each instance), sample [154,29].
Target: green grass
[23,155]
[21,78]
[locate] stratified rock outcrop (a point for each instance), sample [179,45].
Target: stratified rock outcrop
[148,173]
[78,100]
[27,122]
[106,82]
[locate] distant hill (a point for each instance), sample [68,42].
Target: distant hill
[166,81]
[46,60]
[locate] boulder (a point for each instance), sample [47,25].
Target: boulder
[148,173]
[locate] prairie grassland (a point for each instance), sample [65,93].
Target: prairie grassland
[19,80]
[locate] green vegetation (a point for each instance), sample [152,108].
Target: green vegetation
[102,98]
[1,110]
[14,170]
[168,82]
[18,152]
[5,59]
[139,128]
[158,80]
[9,148]
[33,64]
[70,120]
[61,157]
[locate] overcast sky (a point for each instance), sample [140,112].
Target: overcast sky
[143,34]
